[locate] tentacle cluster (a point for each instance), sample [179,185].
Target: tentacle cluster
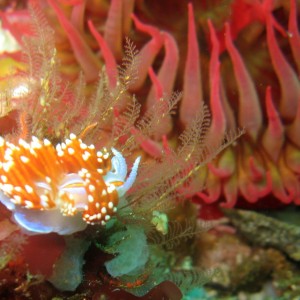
[266,160]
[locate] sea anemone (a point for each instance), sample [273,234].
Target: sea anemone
[63,170]
[249,64]
[54,103]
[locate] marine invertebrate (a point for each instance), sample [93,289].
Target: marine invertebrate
[266,162]
[179,146]
[260,165]
[81,185]
[61,190]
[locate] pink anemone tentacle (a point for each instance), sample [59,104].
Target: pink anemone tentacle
[148,53]
[156,84]
[168,70]
[294,35]
[109,59]
[218,122]
[86,58]
[250,114]
[77,15]
[192,99]
[288,80]
[113,28]
[152,148]
[273,137]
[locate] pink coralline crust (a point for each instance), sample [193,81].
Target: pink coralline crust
[6,229]
[262,98]
[42,251]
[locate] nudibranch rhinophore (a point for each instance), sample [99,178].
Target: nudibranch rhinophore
[62,189]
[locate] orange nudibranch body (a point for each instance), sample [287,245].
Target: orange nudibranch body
[72,181]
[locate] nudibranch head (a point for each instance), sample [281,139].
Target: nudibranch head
[62,189]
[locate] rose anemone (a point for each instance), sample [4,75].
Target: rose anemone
[241,59]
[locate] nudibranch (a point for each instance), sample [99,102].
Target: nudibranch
[62,189]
